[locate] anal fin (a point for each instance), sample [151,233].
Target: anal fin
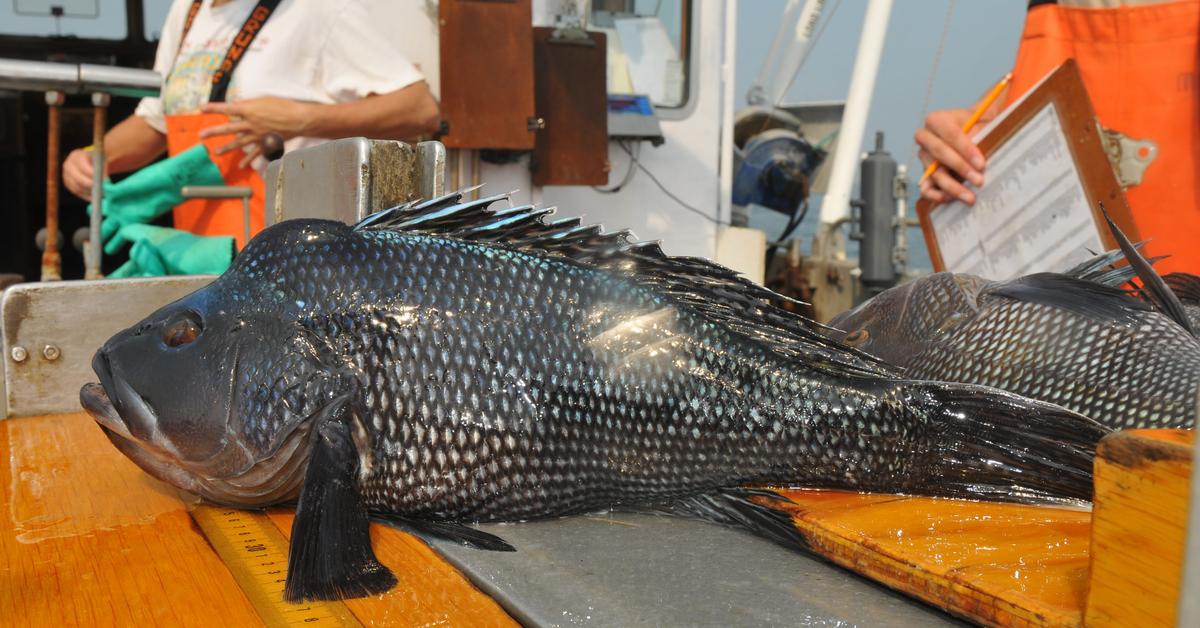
[733,507]
[330,555]
[457,532]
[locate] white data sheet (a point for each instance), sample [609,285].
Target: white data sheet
[1031,214]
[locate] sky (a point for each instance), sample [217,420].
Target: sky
[979,47]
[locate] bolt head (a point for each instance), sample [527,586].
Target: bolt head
[19,354]
[51,352]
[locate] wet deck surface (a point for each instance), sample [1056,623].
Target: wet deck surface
[88,538]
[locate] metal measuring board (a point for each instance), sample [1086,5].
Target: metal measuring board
[643,570]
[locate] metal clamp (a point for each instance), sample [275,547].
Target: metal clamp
[1129,157]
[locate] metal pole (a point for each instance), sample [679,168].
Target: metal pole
[99,125]
[51,259]
[858,103]
[726,165]
[796,52]
[245,221]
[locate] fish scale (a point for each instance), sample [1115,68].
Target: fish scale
[444,363]
[1121,363]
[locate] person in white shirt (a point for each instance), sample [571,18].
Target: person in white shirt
[306,70]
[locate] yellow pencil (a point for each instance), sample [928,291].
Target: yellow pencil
[970,124]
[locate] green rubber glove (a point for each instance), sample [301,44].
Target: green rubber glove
[152,192]
[158,251]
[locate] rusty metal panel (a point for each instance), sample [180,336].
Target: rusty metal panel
[572,101]
[51,330]
[348,179]
[487,73]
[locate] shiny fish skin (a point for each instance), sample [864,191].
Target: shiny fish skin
[553,388]
[1135,370]
[498,367]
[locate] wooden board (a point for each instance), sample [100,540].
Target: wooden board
[1064,89]
[1139,529]
[486,49]
[87,538]
[995,564]
[572,101]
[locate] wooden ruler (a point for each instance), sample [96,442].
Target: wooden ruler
[255,552]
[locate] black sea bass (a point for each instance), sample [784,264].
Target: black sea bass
[1061,338]
[445,363]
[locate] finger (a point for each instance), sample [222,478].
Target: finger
[251,154]
[949,130]
[229,128]
[931,193]
[240,141]
[81,161]
[952,187]
[220,107]
[948,157]
[76,183]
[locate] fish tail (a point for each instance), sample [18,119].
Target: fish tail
[984,443]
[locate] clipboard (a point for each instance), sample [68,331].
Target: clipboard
[1038,209]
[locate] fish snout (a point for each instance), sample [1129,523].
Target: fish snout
[115,404]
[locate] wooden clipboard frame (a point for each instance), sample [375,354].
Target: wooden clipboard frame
[1065,90]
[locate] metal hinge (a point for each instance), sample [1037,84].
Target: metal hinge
[1129,157]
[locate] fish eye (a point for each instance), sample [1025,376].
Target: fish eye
[183,331]
[857,337]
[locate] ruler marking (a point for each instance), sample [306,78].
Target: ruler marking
[248,542]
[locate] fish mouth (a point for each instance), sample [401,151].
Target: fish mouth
[115,405]
[131,425]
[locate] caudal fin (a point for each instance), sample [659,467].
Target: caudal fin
[984,443]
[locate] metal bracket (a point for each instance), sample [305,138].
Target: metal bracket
[49,332]
[1129,157]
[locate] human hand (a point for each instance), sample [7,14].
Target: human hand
[252,119]
[77,173]
[943,140]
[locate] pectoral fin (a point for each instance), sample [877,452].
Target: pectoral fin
[331,555]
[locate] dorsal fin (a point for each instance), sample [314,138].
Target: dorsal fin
[711,290]
[1186,286]
[1086,298]
[1153,285]
[1102,268]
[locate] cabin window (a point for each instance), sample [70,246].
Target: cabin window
[648,46]
[154,14]
[82,19]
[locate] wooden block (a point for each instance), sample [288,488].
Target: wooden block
[572,100]
[487,73]
[994,564]
[1139,527]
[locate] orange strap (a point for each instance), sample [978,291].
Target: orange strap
[215,216]
[1140,66]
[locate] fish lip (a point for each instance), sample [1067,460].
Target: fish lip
[94,399]
[116,405]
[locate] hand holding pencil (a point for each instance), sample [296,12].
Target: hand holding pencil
[949,154]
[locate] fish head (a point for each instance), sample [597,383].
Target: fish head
[898,323]
[213,393]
